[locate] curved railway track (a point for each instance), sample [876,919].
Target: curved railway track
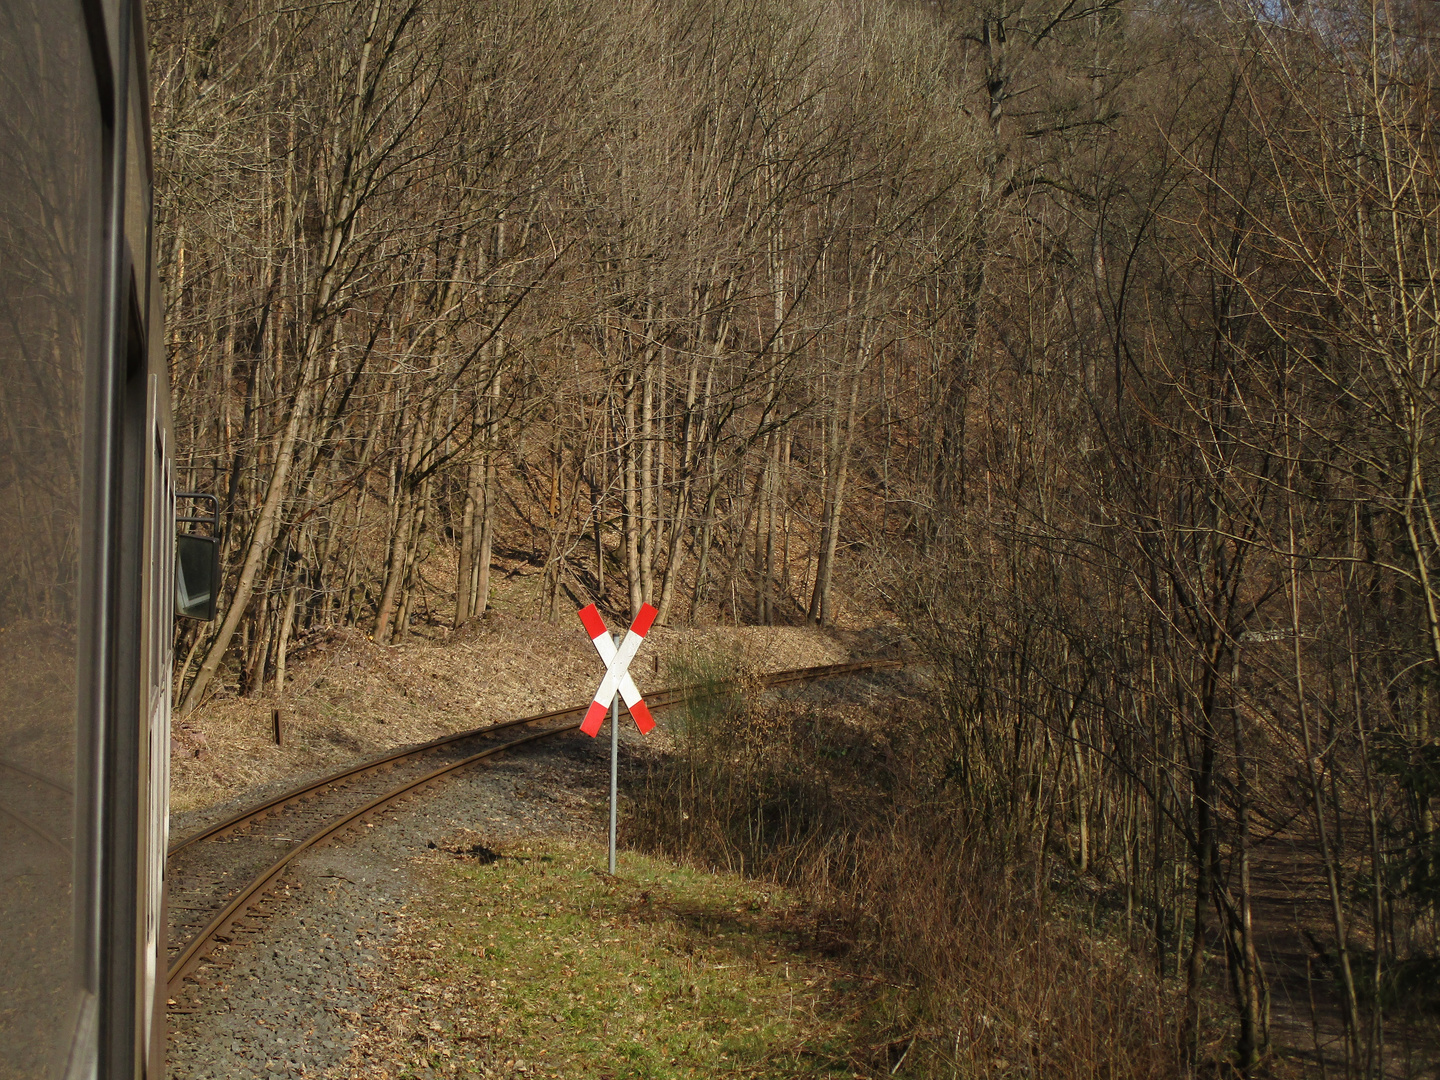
[217,874]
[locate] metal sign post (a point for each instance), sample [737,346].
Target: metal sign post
[614,771]
[615,685]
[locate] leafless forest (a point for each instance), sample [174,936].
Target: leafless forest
[1097,339]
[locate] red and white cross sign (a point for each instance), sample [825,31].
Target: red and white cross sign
[617,669]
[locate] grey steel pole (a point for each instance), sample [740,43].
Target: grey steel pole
[614,771]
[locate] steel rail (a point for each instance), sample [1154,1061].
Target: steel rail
[191,954]
[39,830]
[47,781]
[668,699]
[371,765]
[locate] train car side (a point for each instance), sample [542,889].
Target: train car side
[86,549]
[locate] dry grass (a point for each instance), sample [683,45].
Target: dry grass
[348,698]
[1007,980]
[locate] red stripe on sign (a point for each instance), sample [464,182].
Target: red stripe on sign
[594,718]
[640,713]
[594,625]
[642,622]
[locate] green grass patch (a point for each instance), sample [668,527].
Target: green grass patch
[662,972]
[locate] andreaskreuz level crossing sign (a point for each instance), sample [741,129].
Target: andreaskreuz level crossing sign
[617,669]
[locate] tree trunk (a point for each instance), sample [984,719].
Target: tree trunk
[480,590]
[630,500]
[680,519]
[287,625]
[1202,785]
[259,543]
[820,603]
[647,481]
[464,583]
[412,554]
[394,566]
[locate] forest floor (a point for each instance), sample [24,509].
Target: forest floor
[1294,935]
[348,699]
[1288,897]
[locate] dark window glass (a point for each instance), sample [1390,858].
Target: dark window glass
[51,271]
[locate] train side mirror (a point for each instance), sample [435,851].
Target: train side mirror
[197,557]
[197,576]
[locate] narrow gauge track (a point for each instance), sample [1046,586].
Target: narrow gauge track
[216,874]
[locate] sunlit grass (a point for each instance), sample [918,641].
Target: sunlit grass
[661,972]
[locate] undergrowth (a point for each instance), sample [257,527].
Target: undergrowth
[999,981]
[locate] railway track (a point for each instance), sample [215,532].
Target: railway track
[218,874]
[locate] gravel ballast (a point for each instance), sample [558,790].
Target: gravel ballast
[292,993]
[329,978]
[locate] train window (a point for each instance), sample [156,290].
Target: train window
[51,281]
[197,572]
[197,555]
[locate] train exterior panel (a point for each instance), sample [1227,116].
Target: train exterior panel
[86,550]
